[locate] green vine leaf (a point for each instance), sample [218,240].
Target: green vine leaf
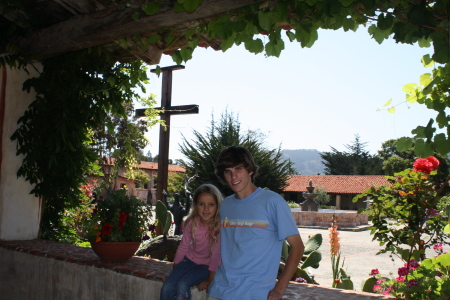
[158,70]
[150,8]
[350,24]
[442,119]
[169,38]
[254,46]
[425,132]
[191,5]
[441,144]
[346,3]
[290,35]
[193,43]
[178,8]
[153,39]
[425,79]
[422,149]
[424,43]
[227,43]
[404,144]
[305,37]
[385,22]
[176,56]
[136,14]
[409,88]
[274,46]
[447,228]
[441,47]
[186,53]
[411,98]
[427,61]
[222,27]
[378,34]
[111,80]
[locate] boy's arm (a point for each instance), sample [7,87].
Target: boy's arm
[295,255]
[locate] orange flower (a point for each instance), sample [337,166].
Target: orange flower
[98,239]
[334,240]
[402,193]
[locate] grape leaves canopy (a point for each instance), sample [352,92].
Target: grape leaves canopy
[425,23]
[260,26]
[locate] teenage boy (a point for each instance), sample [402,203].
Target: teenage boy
[255,222]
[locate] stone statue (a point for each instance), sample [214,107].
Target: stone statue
[177,209]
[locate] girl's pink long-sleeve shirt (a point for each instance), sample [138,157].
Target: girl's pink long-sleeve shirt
[198,252]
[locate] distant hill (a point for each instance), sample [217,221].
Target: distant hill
[306,161]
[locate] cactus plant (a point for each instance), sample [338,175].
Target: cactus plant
[368,284]
[311,257]
[345,282]
[164,217]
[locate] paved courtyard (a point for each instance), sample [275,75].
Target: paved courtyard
[360,256]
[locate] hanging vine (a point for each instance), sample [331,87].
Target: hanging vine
[54,134]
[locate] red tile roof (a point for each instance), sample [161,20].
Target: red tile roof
[154,166]
[339,184]
[148,165]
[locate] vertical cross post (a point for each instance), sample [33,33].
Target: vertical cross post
[164,135]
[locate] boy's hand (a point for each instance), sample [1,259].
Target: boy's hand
[204,285]
[273,295]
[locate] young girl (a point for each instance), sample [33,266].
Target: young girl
[198,255]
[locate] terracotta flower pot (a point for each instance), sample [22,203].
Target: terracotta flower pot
[115,251]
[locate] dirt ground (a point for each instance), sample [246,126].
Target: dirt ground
[359,252]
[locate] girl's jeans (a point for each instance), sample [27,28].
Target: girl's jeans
[185,275]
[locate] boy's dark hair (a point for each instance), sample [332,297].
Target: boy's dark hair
[231,157]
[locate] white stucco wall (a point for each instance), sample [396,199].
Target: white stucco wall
[19,211]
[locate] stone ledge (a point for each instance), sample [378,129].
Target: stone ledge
[147,269]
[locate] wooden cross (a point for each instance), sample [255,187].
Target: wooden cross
[164,135]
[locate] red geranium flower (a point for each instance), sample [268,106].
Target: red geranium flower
[426,165]
[374,272]
[434,161]
[106,228]
[122,219]
[403,271]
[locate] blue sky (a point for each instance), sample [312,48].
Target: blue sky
[308,98]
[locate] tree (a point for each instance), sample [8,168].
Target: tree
[122,140]
[201,154]
[356,161]
[336,162]
[140,175]
[322,198]
[393,160]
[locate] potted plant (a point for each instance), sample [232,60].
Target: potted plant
[117,226]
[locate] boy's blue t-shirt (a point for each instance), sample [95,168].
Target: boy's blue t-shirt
[252,234]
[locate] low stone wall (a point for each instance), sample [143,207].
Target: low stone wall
[324,218]
[39,269]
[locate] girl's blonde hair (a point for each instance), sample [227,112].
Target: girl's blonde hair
[214,225]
